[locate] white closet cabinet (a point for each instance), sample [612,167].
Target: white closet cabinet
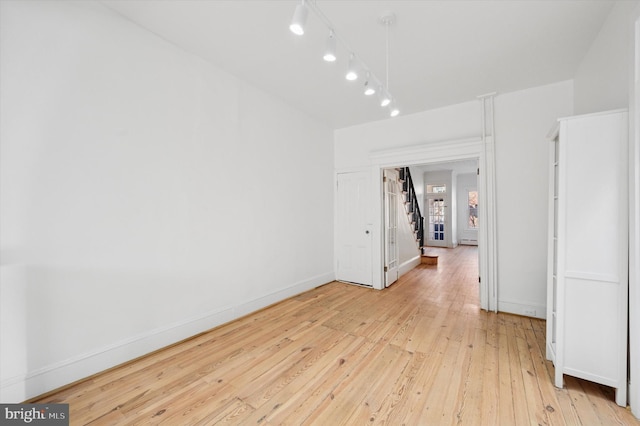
[588,245]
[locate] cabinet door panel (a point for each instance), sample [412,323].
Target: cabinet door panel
[591,349]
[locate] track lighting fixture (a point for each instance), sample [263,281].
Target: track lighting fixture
[330,51]
[369,86]
[299,19]
[352,71]
[387,19]
[372,84]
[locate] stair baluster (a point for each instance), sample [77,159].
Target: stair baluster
[413,206]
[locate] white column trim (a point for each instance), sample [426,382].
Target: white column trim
[489,211]
[634,215]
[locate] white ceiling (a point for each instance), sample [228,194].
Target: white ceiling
[441,52]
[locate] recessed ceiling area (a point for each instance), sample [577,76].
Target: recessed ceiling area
[441,52]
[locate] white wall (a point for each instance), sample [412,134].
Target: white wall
[354,145]
[146,195]
[465,182]
[522,121]
[602,79]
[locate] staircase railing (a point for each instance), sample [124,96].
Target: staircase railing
[412,204]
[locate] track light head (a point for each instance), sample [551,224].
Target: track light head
[394,111]
[385,99]
[330,51]
[352,71]
[299,19]
[369,86]
[369,90]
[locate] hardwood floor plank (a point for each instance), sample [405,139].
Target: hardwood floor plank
[587,412]
[454,399]
[506,407]
[490,390]
[537,407]
[403,334]
[312,404]
[403,392]
[353,391]
[520,404]
[477,401]
[383,386]
[316,371]
[545,387]
[419,352]
[282,374]
[565,404]
[435,400]
[412,408]
[232,413]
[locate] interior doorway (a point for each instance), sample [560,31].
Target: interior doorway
[478,148]
[437,202]
[448,199]
[450,202]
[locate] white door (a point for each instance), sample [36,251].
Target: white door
[391,250]
[353,232]
[437,226]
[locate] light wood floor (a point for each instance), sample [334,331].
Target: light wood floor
[418,353]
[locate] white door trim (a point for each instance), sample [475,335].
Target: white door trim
[392,256]
[634,216]
[435,152]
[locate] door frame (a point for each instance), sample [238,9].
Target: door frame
[390,205]
[436,152]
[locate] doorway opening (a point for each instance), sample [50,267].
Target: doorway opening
[447,197]
[480,149]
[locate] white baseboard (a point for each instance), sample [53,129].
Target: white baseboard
[408,265]
[279,295]
[524,309]
[20,388]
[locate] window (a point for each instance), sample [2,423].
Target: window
[472,197]
[437,189]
